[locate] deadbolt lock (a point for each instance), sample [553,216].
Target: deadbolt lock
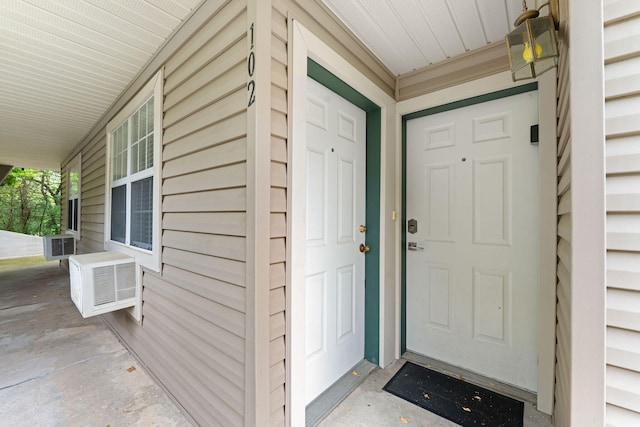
[362,228]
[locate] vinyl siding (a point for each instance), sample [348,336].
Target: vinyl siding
[192,338]
[622,124]
[64,213]
[92,196]
[195,312]
[563,309]
[278,222]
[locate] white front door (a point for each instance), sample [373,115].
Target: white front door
[336,154]
[472,262]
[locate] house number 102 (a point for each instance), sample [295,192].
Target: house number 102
[251,68]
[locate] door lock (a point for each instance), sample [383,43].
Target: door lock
[364,248]
[362,228]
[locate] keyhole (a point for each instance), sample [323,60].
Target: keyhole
[332,150]
[464,159]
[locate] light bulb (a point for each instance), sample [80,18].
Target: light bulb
[527,55]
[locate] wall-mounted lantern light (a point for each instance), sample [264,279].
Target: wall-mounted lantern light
[532,45]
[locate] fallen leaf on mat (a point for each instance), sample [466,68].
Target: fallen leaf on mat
[466,409]
[131,368]
[478,398]
[426,396]
[354,373]
[404,420]
[461,378]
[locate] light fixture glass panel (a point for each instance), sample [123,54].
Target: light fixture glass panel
[544,33]
[532,48]
[518,44]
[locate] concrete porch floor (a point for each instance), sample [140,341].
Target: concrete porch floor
[370,406]
[58,369]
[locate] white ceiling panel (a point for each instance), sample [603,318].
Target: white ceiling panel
[473,34]
[64,63]
[411,34]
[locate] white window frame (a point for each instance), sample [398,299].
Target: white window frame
[75,164]
[147,258]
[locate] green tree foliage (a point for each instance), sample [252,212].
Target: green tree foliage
[30,202]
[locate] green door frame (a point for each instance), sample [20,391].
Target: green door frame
[372,259]
[422,113]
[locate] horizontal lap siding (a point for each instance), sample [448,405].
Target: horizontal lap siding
[563,309]
[622,124]
[199,303]
[278,224]
[92,187]
[192,338]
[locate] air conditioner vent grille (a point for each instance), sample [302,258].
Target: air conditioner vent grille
[125,276]
[103,287]
[59,246]
[63,246]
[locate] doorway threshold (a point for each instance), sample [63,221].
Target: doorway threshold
[322,405]
[472,377]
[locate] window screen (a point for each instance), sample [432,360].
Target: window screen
[119,213]
[142,213]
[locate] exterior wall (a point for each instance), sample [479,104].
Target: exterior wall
[92,195]
[14,245]
[622,95]
[278,220]
[202,312]
[192,337]
[64,170]
[193,333]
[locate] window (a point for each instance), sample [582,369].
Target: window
[132,210]
[73,197]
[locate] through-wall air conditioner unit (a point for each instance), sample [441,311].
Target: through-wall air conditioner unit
[60,246]
[102,282]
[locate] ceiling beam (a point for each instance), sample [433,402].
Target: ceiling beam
[488,60]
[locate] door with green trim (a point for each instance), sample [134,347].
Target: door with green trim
[335,209]
[472,238]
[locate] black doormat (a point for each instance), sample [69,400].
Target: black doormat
[454,399]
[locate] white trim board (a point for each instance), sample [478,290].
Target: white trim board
[306,45]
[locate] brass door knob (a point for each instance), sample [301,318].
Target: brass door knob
[364,248]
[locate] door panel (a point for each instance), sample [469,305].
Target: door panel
[336,158]
[472,268]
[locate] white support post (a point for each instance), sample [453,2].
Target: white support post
[588,346]
[258,71]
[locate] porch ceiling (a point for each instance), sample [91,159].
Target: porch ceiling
[409,35]
[63,64]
